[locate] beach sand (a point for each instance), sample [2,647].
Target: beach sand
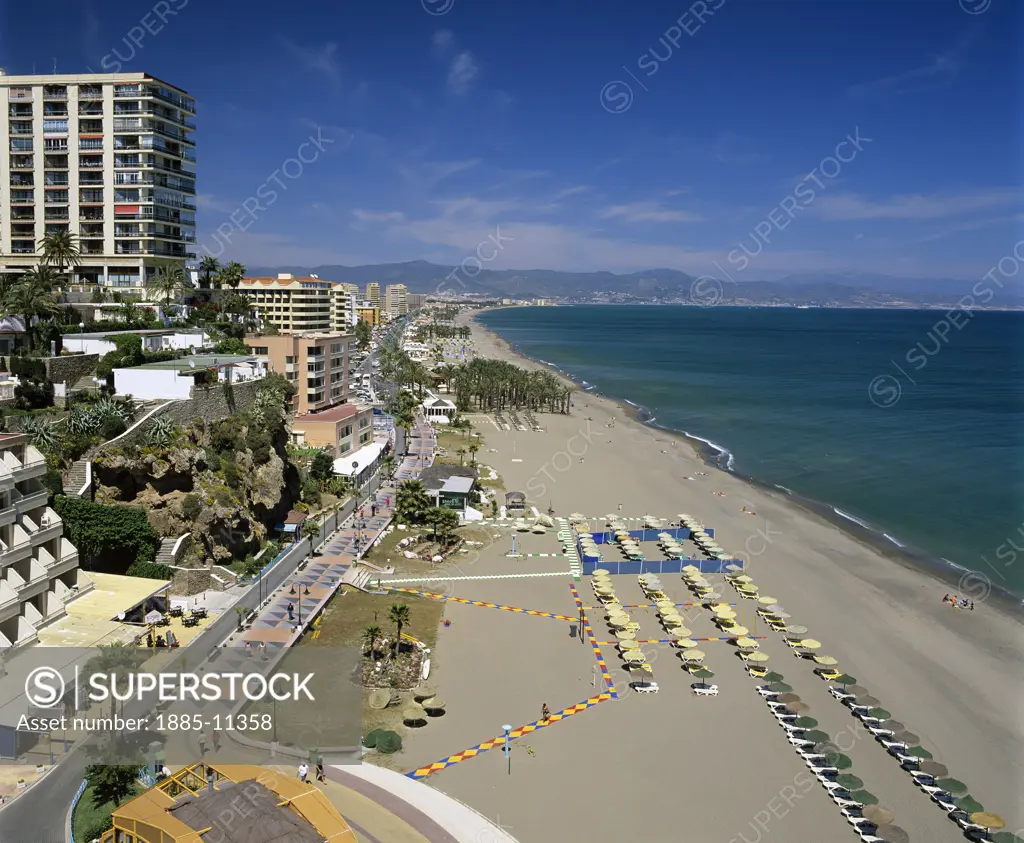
[671,765]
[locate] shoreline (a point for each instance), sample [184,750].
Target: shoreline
[909,557]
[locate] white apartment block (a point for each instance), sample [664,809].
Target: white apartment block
[108,157]
[39,570]
[396,301]
[344,298]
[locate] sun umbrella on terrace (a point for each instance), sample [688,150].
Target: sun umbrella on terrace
[906,738]
[741,578]
[810,644]
[878,714]
[838,760]
[918,752]
[864,797]
[847,780]
[680,631]
[618,621]
[969,805]
[746,643]
[845,679]
[739,631]
[987,819]
[733,567]
[767,601]
[414,715]
[628,644]
[634,656]
[690,569]
[686,643]
[694,656]
[625,635]
[892,725]
[892,834]
[798,707]
[821,741]
[952,786]
[937,770]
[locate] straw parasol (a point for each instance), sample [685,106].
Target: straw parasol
[628,644]
[690,569]
[810,644]
[625,635]
[827,661]
[879,714]
[756,656]
[414,715]
[780,688]
[694,656]
[686,643]
[935,770]
[987,819]
[892,725]
[788,697]
[918,752]
[866,701]
[768,601]
[892,833]
[601,572]
[864,797]
[906,738]
[838,760]
[745,643]
[634,656]
[739,631]
[733,567]
[680,631]
[434,704]
[799,707]
[422,692]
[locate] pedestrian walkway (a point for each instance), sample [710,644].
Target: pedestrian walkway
[289,610]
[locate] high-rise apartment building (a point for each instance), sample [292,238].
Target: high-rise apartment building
[316,364]
[107,157]
[373,294]
[395,302]
[343,309]
[39,570]
[293,305]
[416,300]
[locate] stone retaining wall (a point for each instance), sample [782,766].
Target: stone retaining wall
[70,368]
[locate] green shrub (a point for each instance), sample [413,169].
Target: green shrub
[371,738]
[107,533]
[231,475]
[388,742]
[52,481]
[33,394]
[259,442]
[212,459]
[150,571]
[28,367]
[191,506]
[232,345]
[112,427]
[224,497]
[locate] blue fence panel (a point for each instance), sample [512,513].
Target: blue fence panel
[71,813]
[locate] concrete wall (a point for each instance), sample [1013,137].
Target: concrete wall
[70,368]
[145,384]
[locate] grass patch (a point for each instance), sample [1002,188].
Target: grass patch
[348,614]
[90,820]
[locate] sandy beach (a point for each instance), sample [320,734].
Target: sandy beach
[953,677]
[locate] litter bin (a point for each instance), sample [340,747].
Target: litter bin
[572,630]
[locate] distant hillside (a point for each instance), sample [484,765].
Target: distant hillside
[836,289]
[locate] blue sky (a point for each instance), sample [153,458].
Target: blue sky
[588,135]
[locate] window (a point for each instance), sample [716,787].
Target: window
[55,127]
[260,350]
[364,423]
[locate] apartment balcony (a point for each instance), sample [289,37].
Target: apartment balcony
[30,581]
[22,165]
[21,146]
[87,164]
[55,566]
[27,502]
[49,527]
[8,515]
[30,464]
[87,92]
[20,130]
[16,94]
[54,94]
[87,144]
[23,216]
[10,604]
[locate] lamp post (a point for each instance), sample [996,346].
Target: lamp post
[508,749]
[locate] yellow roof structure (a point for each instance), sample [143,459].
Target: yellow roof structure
[157,816]
[112,595]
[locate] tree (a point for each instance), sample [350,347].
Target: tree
[229,276]
[398,614]
[473,448]
[411,501]
[208,268]
[310,530]
[232,346]
[322,466]
[387,465]
[168,282]
[371,635]
[115,534]
[60,249]
[364,334]
[443,521]
[116,660]
[462,455]
[32,297]
[111,782]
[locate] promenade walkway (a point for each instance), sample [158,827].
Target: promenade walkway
[306,590]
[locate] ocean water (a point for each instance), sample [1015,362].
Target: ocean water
[900,421]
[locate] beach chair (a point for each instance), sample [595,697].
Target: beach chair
[799,743]
[845,803]
[764,692]
[705,690]
[644,687]
[839,693]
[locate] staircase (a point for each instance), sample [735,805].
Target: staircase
[78,476]
[165,554]
[358,578]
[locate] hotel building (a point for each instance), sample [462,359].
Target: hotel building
[395,303]
[316,364]
[39,570]
[343,307]
[293,305]
[373,294]
[107,157]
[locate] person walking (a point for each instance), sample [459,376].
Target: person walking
[545,713]
[202,744]
[263,651]
[303,771]
[215,740]
[248,649]
[373,510]
[321,776]
[291,612]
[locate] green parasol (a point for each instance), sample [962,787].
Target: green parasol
[864,797]
[879,714]
[849,781]
[780,688]
[773,676]
[845,679]
[838,760]
[969,805]
[952,786]
[918,752]
[805,723]
[816,736]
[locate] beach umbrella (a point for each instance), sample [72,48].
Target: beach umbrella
[849,781]
[742,578]
[413,715]
[1006,837]
[625,635]
[937,771]
[818,738]
[422,692]
[969,805]
[864,797]
[905,738]
[780,688]
[628,644]
[690,569]
[892,834]
[766,600]
[601,572]
[918,752]
[634,656]
[987,819]
[879,714]
[845,679]
[789,698]
[838,760]
[782,615]
[757,657]
[618,621]
[810,644]
[892,725]
[703,673]
[434,704]
[694,656]
[746,643]
[827,661]
[952,786]
[739,631]
[856,690]
[686,643]
[733,567]
[680,630]
[774,677]
[866,700]
[798,707]
[809,723]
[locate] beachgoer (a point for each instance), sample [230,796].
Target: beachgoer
[620,507]
[373,511]
[387,501]
[545,713]
[972,605]
[215,740]
[945,599]
[248,649]
[303,771]
[291,612]
[263,651]
[321,776]
[202,744]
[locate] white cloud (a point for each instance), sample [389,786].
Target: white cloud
[319,60]
[442,40]
[461,72]
[647,212]
[851,206]
[576,190]
[426,174]
[940,70]
[372,216]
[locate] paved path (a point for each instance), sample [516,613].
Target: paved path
[306,590]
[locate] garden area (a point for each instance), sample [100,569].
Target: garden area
[107,786]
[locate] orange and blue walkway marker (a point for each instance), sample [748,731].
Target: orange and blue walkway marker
[499,741]
[673,640]
[646,606]
[532,612]
[593,642]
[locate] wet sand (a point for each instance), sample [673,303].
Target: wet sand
[953,677]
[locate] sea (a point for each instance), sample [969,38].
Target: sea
[905,427]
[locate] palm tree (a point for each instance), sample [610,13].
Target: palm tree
[229,276]
[387,464]
[398,614]
[208,267]
[371,635]
[32,297]
[411,500]
[462,453]
[168,281]
[473,448]
[60,250]
[130,312]
[118,659]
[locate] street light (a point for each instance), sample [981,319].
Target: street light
[508,750]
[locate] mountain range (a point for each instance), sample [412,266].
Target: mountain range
[835,289]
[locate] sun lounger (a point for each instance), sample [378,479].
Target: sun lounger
[867,837]
[705,691]
[645,687]
[800,742]
[839,693]
[816,770]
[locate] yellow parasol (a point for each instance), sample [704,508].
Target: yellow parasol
[625,635]
[767,600]
[747,643]
[634,656]
[619,621]
[810,644]
[756,656]
[694,656]
[739,631]
[742,578]
[988,819]
[686,643]
[691,569]
[628,645]
[681,632]
[828,661]
[601,572]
